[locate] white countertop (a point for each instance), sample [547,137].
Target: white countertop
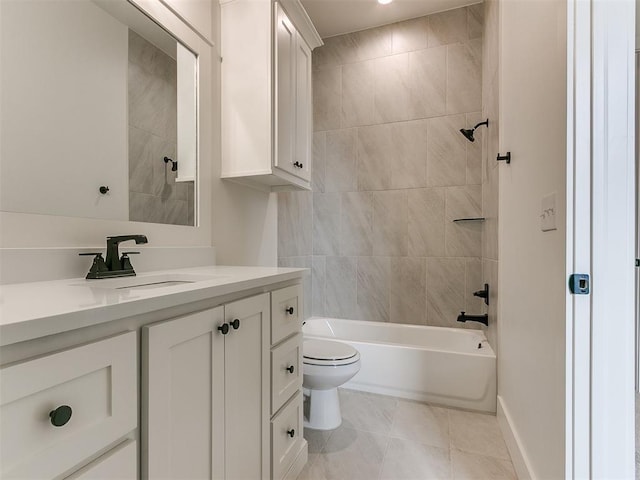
[33,310]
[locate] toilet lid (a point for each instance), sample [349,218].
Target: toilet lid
[327,350]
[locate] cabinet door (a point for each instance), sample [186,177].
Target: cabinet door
[246,382]
[285,114]
[120,463]
[303,127]
[178,398]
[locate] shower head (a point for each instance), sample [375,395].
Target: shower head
[469,133]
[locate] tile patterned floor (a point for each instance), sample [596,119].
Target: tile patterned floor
[388,438]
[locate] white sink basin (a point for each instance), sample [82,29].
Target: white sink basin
[147,282]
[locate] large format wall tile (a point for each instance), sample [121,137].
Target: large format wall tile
[356,224]
[445,290]
[427,82]
[474,149]
[341,173]
[475,20]
[294,224]
[340,287]
[318,171]
[358,87]
[446,151]
[391,99]
[473,283]
[448,27]
[318,276]
[373,288]
[407,299]
[426,222]
[374,147]
[327,98]
[390,223]
[409,35]
[326,223]
[464,77]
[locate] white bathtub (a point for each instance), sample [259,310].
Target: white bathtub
[430,364]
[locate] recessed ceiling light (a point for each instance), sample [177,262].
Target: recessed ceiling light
[384,2]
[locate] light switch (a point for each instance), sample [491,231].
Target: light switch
[548,213]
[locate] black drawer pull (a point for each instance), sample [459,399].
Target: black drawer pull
[224,328]
[60,416]
[290,369]
[289,310]
[291,433]
[235,324]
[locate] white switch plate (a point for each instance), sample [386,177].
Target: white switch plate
[548,213]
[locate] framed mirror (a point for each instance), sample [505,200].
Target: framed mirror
[98,113]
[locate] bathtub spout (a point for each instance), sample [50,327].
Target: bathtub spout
[484,319]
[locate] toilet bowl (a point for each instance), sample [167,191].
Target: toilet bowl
[326,365]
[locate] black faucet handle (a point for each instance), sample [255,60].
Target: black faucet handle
[98,266]
[130,253]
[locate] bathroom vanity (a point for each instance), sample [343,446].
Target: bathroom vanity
[191,373]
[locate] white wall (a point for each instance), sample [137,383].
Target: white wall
[243,222]
[531,336]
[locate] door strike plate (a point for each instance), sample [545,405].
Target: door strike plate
[579,283]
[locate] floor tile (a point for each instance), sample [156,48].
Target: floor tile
[351,454]
[316,439]
[407,460]
[366,411]
[477,433]
[421,423]
[468,466]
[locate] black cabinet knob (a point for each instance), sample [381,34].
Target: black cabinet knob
[290,369]
[289,310]
[60,416]
[291,433]
[224,328]
[297,164]
[235,324]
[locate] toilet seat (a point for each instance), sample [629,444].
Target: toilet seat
[328,353]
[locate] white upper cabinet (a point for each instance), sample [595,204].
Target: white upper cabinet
[266,93]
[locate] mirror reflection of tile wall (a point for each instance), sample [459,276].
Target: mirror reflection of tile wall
[154,194]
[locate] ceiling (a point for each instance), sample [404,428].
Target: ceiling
[335,17]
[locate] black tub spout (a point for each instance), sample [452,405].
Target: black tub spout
[484,319]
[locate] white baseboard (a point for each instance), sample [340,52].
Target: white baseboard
[518,455]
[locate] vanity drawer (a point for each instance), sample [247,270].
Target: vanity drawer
[286,312]
[98,381]
[286,371]
[286,437]
[120,463]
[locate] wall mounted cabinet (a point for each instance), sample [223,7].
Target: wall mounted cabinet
[266,93]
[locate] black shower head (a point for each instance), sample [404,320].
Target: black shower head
[469,133]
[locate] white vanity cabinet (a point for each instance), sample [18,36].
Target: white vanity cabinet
[217,369]
[266,93]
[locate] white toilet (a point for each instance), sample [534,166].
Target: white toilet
[326,365]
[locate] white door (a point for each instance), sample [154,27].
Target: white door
[285,115]
[303,127]
[178,401]
[246,382]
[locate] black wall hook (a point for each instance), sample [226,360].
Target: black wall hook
[174,164]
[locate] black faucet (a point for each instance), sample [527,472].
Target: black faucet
[114,265]
[113,257]
[484,319]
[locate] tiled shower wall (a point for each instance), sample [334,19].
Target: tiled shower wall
[391,171]
[154,194]
[490,167]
